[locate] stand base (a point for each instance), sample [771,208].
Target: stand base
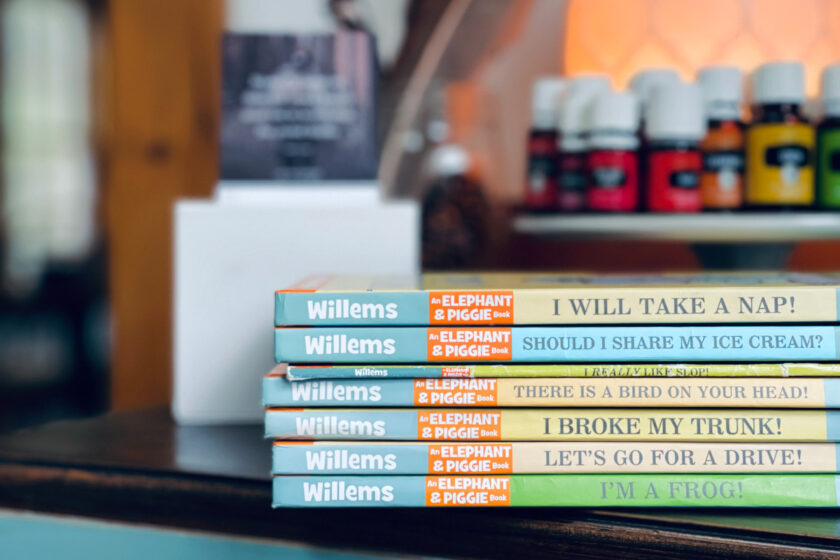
[746,256]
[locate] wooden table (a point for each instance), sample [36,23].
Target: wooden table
[141,467]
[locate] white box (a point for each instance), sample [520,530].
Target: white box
[231,256]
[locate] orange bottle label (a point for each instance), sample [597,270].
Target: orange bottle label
[722,177]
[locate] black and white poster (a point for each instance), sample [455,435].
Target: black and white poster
[299,107]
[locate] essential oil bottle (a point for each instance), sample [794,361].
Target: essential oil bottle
[780,142]
[674,127]
[722,178]
[541,182]
[642,85]
[645,81]
[572,172]
[613,159]
[828,141]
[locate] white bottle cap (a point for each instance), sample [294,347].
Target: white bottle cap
[587,84]
[722,88]
[778,82]
[545,96]
[614,111]
[573,106]
[644,81]
[613,120]
[447,160]
[572,124]
[675,112]
[830,90]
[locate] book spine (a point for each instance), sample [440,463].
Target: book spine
[378,458]
[684,304]
[350,308]
[556,344]
[372,371]
[655,304]
[278,391]
[572,490]
[558,424]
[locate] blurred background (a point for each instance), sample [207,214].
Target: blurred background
[111,112]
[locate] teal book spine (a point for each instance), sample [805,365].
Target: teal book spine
[351,308]
[720,343]
[564,490]
[696,392]
[374,371]
[554,424]
[547,371]
[532,457]
[516,299]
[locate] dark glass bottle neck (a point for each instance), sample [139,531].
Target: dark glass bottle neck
[778,113]
[717,124]
[830,121]
[680,145]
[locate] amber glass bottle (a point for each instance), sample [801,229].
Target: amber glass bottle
[722,177]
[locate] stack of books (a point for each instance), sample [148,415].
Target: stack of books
[557,390]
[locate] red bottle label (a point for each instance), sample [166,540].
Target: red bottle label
[541,182]
[571,182]
[613,184]
[674,181]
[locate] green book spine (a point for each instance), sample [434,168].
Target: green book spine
[384,371]
[585,490]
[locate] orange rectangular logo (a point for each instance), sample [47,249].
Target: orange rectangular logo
[474,345]
[456,371]
[480,307]
[455,392]
[471,458]
[468,491]
[455,425]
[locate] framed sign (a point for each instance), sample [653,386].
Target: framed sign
[299,107]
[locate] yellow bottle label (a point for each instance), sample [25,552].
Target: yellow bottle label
[780,167]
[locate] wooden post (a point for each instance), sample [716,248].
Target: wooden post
[162,120]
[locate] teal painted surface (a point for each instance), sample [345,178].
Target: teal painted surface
[35,537]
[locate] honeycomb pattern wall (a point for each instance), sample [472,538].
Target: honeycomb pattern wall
[618,37]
